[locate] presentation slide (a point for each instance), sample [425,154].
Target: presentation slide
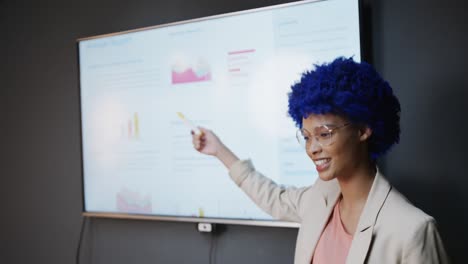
[230,74]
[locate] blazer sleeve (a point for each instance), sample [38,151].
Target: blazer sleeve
[426,246]
[280,202]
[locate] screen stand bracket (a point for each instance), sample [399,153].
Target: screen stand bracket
[206,227]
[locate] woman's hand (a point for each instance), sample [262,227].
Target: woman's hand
[208,143]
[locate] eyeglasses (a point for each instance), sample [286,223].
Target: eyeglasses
[323,135]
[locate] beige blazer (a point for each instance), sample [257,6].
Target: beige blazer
[390,230]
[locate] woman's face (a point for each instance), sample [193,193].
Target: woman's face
[343,153]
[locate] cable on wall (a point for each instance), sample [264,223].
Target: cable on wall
[82,228]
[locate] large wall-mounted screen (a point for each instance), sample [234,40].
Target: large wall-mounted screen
[230,73]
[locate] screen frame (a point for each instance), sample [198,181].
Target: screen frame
[365,48]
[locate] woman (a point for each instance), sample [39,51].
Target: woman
[348,117]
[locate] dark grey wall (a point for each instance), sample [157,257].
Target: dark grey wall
[421,49]
[419,46]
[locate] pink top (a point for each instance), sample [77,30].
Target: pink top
[334,243]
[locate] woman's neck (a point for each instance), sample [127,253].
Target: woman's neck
[355,187]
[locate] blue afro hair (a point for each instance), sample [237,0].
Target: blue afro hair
[352,90]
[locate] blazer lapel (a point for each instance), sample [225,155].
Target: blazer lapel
[360,246]
[364,233]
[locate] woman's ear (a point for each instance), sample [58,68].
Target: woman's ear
[364,133]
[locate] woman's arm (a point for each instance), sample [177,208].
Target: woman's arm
[278,201]
[426,246]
